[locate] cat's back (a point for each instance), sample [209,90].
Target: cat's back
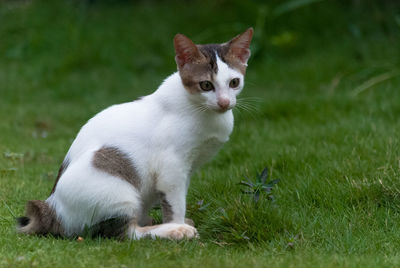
[115,125]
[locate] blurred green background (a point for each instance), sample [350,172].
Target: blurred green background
[321,110]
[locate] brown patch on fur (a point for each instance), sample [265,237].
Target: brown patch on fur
[225,54]
[193,74]
[210,52]
[193,65]
[61,171]
[41,219]
[115,162]
[166,208]
[205,70]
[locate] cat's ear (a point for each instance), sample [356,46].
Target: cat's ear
[186,51]
[239,46]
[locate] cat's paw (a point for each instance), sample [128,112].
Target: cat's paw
[180,232]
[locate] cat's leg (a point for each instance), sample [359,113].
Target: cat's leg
[172,185]
[86,195]
[167,211]
[148,202]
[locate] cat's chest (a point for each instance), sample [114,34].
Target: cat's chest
[212,130]
[210,140]
[193,140]
[204,151]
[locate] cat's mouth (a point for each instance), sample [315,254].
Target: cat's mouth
[221,110]
[218,108]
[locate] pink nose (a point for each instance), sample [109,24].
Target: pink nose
[223,103]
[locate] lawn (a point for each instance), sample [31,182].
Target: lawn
[321,111]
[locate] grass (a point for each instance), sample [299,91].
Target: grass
[324,117]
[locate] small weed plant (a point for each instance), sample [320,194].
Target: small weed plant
[259,187]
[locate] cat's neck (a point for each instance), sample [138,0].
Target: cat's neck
[172,95]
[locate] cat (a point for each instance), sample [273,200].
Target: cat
[130,156]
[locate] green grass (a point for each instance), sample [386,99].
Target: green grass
[336,152]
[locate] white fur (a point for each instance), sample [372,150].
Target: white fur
[167,135]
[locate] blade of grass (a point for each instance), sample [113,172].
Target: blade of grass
[9,209]
[374,81]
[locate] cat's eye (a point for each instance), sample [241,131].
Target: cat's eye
[206,85]
[234,83]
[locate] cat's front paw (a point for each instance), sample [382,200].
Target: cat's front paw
[182,231]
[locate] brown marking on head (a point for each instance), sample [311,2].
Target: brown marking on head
[167,212]
[192,64]
[115,162]
[211,51]
[198,63]
[61,171]
[41,219]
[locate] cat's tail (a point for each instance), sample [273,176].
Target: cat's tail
[40,219]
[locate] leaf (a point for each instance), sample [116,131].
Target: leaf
[264,175]
[267,189]
[292,5]
[246,184]
[272,183]
[256,196]
[246,192]
[259,187]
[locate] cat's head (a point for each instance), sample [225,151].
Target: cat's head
[213,74]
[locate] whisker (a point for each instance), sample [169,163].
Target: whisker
[247,105]
[244,109]
[200,109]
[251,100]
[250,108]
[195,109]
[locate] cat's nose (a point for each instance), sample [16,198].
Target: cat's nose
[223,103]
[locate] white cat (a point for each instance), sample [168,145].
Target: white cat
[133,155]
